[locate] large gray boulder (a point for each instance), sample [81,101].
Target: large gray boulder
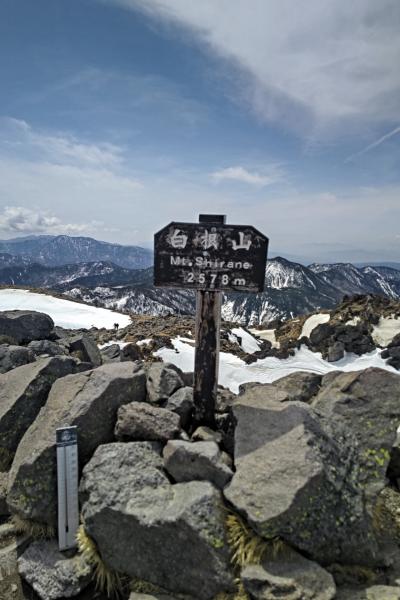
[170,535]
[88,400]
[47,347]
[23,391]
[367,404]
[197,461]
[53,575]
[295,482]
[300,386]
[163,380]
[289,576]
[23,326]
[85,348]
[142,421]
[12,357]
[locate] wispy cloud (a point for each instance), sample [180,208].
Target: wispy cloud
[17,219]
[314,63]
[375,144]
[242,175]
[18,137]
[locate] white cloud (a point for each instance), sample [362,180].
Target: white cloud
[17,136]
[17,219]
[243,175]
[325,61]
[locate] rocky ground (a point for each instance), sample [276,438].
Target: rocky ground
[290,492]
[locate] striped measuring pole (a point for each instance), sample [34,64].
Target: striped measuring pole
[67,484]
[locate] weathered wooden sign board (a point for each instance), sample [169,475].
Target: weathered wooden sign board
[209,257]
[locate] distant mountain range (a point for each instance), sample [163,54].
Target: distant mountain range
[50,250]
[290,288]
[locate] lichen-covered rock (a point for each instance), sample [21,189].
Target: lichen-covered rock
[162,381]
[23,391]
[52,575]
[197,461]
[170,535]
[12,357]
[367,404]
[290,576]
[295,482]
[25,325]
[374,592]
[142,421]
[88,400]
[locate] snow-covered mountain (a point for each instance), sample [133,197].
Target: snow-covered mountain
[52,250]
[290,288]
[352,280]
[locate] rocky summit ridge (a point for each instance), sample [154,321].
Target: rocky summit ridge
[292,492]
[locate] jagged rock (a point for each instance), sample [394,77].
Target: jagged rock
[181,403]
[140,596]
[163,380]
[89,400]
[300,386]
[39,347]
[294,481]
[197,461]
[226,424]
[14,356]
[111,353]
[142,421]
[25,325]
[374,592]
[290,576]
[86,349]
[51,574]
[23,391]
[130,352]
[225,399]
[335,352]
[367,404]
[174,532]
[320,333]
[206,434]
[3,494]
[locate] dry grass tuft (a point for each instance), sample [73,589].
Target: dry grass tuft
[38,531]
[106,579]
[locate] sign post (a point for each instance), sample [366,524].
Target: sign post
[210,257]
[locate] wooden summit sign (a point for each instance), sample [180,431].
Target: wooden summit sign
[209,257]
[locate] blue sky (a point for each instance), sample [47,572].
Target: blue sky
[117,116]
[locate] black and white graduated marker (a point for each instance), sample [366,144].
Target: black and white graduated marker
[67,483]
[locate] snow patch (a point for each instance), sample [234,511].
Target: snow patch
[313,322]
[233,371]
[266,334]
[354,321]
[64,313]
[386,330]
[248,343]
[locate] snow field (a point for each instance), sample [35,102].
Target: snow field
[386,330]
[64,313]
[233,371]
[313,322]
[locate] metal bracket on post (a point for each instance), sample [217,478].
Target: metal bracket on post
[206,362]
